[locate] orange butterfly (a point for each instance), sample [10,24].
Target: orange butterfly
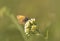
[22,19]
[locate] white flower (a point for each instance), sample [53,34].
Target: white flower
[33,28]
[32,20]
[27,27]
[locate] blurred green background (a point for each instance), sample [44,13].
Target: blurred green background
[46,12]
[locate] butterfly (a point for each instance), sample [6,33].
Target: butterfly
[22,19]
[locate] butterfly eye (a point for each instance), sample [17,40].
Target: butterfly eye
[26,19]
